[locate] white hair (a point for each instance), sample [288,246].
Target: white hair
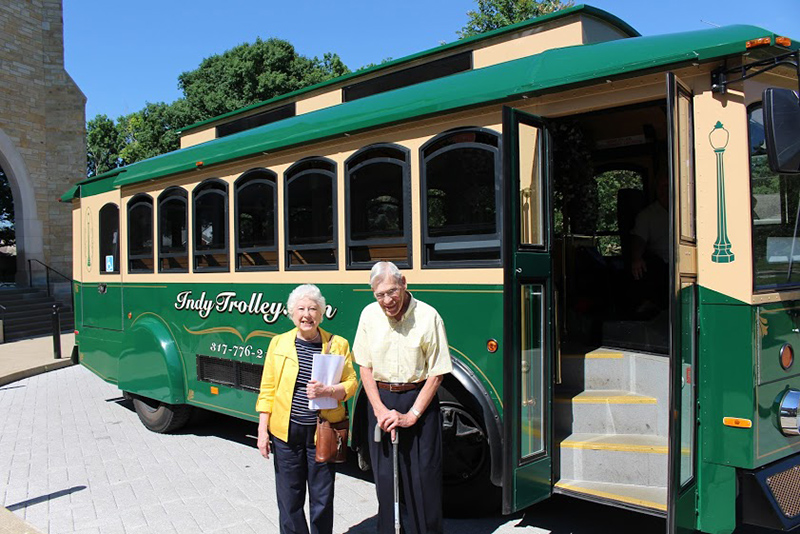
[308,291]
[384,269]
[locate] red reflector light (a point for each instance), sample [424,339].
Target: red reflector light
[787,356]
[783,41]
[491,346]
[76,332]
[758,42]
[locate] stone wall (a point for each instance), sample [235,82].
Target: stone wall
[42,130]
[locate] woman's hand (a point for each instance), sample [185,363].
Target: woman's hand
[315,389]
[263,434]
[263,443]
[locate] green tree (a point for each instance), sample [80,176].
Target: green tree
[152,131]
[103,145]
[7,232]
[251,73]
[493,14]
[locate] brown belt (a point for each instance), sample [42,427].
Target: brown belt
[400,388]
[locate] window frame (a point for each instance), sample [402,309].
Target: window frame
[250,177]
[406,239]
[205,188]
[289,176]
[764,288]
[178,193]
[425,239]
[101,228]
[140,199]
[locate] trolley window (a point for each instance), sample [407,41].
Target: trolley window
[256,221]
[311,214]
[140,234]
[109,239]
[173,252]
[460,199]
[210,223]
[378,207]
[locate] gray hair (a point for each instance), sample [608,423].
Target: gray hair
[381,270]
[309,291]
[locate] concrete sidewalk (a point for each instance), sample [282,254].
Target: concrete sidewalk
[29,357]
[20,360]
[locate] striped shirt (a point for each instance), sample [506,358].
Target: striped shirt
[301,415]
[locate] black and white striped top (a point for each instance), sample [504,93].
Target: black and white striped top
[300,414]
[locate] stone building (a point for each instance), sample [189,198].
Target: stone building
[42,131]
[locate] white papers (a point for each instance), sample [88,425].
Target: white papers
[326,368]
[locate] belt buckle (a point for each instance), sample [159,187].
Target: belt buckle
[396,388]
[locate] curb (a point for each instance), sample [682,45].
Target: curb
[11,524]
[33,371]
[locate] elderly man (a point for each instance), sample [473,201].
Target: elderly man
[401,347]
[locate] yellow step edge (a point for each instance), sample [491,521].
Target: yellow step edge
[613,496]
[609,399]
[596,356]
[619,447]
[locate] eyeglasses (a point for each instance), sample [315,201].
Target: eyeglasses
[392,293]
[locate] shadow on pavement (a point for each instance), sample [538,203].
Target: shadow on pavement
[50,496]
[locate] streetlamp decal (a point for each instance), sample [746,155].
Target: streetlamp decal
[718,137]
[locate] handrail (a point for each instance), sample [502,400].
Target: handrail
[47,277]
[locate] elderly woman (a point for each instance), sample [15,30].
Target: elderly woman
[286,388]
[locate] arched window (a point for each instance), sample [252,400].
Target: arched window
[256,221]
[173,251]
[461,198]
[109,239]
[140,234]
[311,214]
[210,223]
[378,206]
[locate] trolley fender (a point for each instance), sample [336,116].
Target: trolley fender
[151,364]
[491,418]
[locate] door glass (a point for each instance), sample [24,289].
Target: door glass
[685,164]
[530,185]
[688,348]
[531,371]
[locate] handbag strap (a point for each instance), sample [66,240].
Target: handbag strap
[327,348]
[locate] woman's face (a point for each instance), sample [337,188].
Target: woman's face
[306,317]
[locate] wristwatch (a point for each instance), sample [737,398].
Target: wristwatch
[416,412]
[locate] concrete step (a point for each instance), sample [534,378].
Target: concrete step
[608,412]
[648,498]
[615,458]
[598,369]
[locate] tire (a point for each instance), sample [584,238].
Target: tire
[161,417]
[466,467]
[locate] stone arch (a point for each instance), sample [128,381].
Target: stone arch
[28,227]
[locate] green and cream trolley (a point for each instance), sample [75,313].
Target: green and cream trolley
[503,174]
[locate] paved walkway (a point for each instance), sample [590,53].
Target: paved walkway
[74,458]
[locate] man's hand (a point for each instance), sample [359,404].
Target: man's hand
[638,268]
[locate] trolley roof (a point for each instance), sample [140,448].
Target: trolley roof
[528,76]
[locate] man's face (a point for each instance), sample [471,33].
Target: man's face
[391,295]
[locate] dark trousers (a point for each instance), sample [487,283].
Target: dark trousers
[419,467]
[295,467]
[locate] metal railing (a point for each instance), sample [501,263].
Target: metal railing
[48,270]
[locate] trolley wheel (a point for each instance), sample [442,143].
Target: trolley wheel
[468,490]
[161,417]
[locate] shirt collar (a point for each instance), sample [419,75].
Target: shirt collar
[412,303]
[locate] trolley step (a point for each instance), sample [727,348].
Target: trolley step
[646,499]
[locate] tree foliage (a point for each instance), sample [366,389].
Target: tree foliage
[252,73]
[241,76]
[7,234]
[493,14]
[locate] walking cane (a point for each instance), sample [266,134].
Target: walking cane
[395,442]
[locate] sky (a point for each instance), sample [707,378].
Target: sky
[125,54]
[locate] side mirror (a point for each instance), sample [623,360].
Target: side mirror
[782,130]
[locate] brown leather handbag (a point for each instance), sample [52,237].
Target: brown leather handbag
[332,441]
[332,437]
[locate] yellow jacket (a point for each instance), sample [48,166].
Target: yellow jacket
[280,374]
